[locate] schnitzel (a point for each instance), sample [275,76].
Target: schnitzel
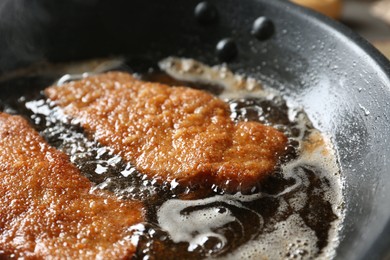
[47,209]
[172,133]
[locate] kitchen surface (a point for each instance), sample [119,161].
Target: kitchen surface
[371,19]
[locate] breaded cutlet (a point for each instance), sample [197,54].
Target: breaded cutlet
[47,209]
[172,133]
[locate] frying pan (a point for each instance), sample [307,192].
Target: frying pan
[341,81]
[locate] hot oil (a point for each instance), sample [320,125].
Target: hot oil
[295,213]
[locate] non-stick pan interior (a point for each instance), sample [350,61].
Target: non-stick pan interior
[341,81]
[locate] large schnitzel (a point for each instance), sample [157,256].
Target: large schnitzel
[172,133]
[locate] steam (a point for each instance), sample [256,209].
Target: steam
[22,26]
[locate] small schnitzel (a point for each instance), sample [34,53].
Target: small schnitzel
[47,208]
[172,133]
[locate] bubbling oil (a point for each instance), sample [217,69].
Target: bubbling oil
[295,213]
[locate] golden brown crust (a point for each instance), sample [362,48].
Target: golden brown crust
[171,132]
[47,208]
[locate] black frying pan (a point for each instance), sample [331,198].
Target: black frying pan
[342,82]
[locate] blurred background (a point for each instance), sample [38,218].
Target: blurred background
[369,18]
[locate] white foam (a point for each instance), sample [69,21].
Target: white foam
[197,227]
[291,239]
[194,71]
